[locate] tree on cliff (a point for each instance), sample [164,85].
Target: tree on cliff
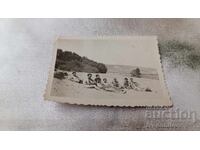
[70,61]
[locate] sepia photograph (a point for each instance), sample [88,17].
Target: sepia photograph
[108,71]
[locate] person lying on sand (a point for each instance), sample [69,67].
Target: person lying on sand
[106,86]
[75,78]
[117,87]
[135,86]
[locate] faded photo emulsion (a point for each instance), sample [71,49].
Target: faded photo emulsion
[108,71]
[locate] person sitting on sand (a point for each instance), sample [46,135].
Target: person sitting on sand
[98,82]
[115,83]
[126,83]
[105,83]
[97,79]
[90,81]
[75,78]
[93,84]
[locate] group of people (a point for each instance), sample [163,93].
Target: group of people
[102,84]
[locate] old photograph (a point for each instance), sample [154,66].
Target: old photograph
[109,71]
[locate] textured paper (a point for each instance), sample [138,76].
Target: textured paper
[121,56]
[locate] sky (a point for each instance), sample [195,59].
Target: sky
[136,51]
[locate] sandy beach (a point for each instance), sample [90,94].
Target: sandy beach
[67,88]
